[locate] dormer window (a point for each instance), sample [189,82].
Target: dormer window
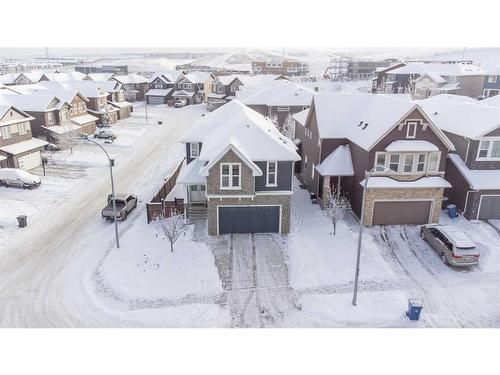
[194,150]
[411,130]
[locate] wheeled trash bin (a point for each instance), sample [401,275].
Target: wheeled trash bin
[414,309]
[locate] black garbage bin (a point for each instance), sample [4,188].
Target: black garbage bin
[22,221]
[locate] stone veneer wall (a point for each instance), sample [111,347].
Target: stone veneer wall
[405,194]
[283,200]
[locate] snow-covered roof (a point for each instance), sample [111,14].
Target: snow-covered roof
[33,76]
[361,118]
[227,80]
[190,173]
[159,92]
[183,93]
[478,179]
[452,86]
[100,76]
[338,163]
[461,115]
[109,86]
[89,89]
[24,146]
[8,78]
[62,129]
[249,132]
[84,119]
[196,77]
[122,104]
[214,95]
[130,78]
[4,108]
[168,76]
[284,93]
[411,145]
[443,69]
[34,103]
[260,79]
[494,101]
[301,116]
[391,183]
[436,77]
[66,76]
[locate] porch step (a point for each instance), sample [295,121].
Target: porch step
[197,212]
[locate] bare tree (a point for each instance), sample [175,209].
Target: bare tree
[288,127]
[65,140]
[337,206]
[410,87]
[172,226]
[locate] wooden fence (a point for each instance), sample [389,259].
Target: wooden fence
[158,206]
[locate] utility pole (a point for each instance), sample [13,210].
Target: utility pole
[146,109]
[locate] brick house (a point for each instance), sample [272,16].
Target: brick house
[191,87]
[473,168]
[239,169]
[162,86]
[18,149]
[135,86]
[344,135]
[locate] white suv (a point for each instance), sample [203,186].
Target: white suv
[18,178]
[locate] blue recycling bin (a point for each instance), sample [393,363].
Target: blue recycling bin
[452,210]
[414,309]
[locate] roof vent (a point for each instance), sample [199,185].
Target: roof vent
[360,123]
[435,113]
[364,126]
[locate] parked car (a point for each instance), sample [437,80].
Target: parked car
[180,103]
[171,102]
[104,134]
[124,203]
[453,245]
[18,178]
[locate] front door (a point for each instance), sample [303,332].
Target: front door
[197,193]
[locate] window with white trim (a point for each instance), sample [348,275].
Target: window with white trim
[492,79]
[489,149]
[433,165]
[230,176]
[411,130]
[194,150]
[22,128]
[394,162]
[312,171]
[272,173]
[408,162]
[187,86]
[5,130]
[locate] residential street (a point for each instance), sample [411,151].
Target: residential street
[42,267]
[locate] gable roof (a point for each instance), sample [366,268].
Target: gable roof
[256,171]
[195,77]
[66,76]
[34,103]
[462,115]
[283,93]
[338,163]
[252,134]
[4,108]
[168,76]
[436,77]
[363,118]
[444,69]
[89,89]
[100,76]
[130,78]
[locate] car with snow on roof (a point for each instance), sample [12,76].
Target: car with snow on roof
[18,178]
[452,244]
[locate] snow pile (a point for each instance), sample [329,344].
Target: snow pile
[145,268]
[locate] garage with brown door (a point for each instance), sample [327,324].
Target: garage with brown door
[401,212]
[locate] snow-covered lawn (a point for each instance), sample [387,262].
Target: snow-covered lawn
[145,268]
[317,258]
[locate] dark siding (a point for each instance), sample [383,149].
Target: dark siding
[460,143]
[472,163]
[457,193]
[188,153]
[284,177]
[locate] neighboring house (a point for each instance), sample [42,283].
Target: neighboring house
[99,76]
[162,86]
[345,135]
[98,98]
[378,81]
[66,76]
[8,79]
[17,147]
[50,114]
[135,86]
[474,168]
[491,85]
[240,167]
[191,87]
[28,78]
[279,101]
[287,67]
[116,98]
[427,79]
[224,89]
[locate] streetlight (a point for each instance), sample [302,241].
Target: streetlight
[111,165]
[377,168]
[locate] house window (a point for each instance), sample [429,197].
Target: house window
[489,149]
[6,132]
[230,176]
[50,117]
[421,163]
[283,109]
[187,86]
[452,79]
[22,129]
[408,165]
[272,169]
[492,79]
[194,150]
[433,165]
[312,171]
[411,130]
[380,159]
[394,162]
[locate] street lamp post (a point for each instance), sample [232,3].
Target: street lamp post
[360,235]
[111,165]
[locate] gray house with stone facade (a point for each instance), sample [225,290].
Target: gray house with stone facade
[474,168]
[239,171]
[342,136]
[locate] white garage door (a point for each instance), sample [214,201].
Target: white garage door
[156,100]
[29,161]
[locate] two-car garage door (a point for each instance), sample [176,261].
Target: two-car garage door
[249,219]
[490,207]
[398,212]
[156,100]
[29,161]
